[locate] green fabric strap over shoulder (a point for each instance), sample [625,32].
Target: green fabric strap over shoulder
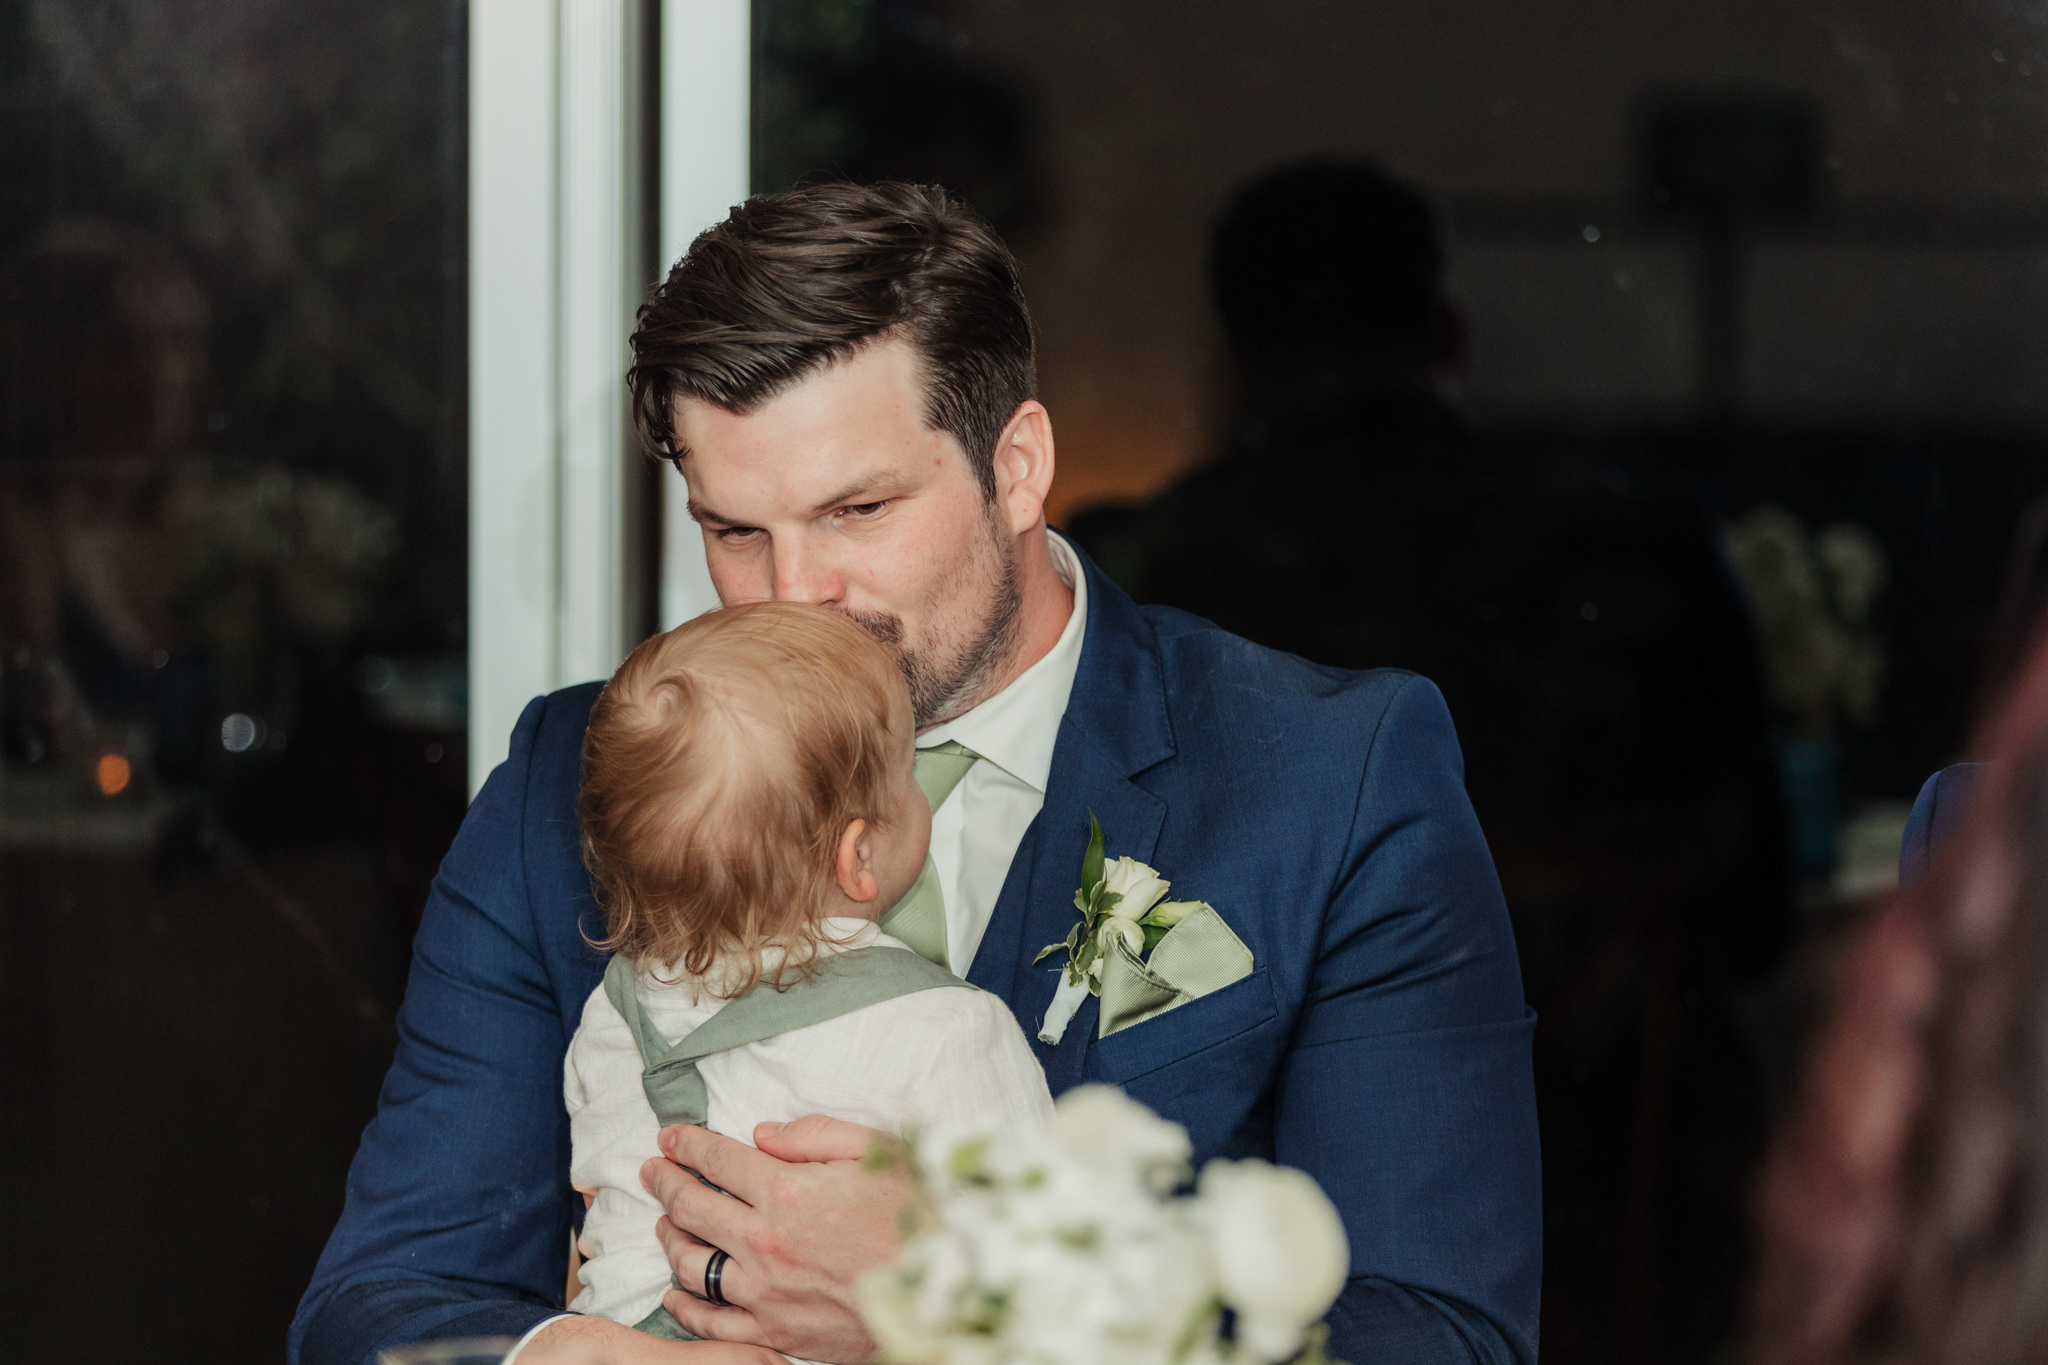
[840,983]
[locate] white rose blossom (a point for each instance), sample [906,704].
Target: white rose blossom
[1166,914]
[1137,884]
[1281,1254]
[1100,1121]
[1112,928]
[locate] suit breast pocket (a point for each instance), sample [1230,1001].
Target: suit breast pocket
[1244,1007]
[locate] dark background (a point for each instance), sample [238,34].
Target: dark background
[1724,269]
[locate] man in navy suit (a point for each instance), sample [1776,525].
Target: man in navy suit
[845,377]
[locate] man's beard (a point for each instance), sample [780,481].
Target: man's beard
[947,683]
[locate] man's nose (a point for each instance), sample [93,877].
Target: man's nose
[802,576]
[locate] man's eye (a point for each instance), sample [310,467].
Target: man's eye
[737,535]
[864,509]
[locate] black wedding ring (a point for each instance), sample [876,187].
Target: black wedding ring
[714,1273]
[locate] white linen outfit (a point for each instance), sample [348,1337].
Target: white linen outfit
[938,1064]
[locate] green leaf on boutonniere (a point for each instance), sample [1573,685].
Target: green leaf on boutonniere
[1094,900]
[1091,861]
[1153,933]
[1071,944]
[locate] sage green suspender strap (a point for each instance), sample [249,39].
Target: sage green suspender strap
[840,984]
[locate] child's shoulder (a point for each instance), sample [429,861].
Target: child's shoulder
[960,1016]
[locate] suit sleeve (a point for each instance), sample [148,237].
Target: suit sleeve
[1408,1093]
[457,1215]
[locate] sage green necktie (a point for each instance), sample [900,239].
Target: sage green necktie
[919,919]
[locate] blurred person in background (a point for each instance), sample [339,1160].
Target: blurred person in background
[150,586]
[102,371]
[1906,1209]
[1342,464]
[1599,665]
[2022,606]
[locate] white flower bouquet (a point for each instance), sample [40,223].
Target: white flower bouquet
[1073,1246]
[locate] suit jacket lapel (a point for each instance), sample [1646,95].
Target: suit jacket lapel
[1115,727]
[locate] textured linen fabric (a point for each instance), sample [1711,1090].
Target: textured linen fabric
[941,1064]
[1381,1043]
[976,830]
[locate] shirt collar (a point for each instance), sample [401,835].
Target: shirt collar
[1017,728]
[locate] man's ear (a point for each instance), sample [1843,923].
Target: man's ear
[852,864]
[1024,466]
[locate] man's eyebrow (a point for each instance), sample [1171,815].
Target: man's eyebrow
[866,483]
[704,516]
[854,488]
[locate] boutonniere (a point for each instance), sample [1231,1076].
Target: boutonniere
[1119,900]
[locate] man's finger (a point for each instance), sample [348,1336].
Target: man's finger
[726,1162]
[710,1321]
[817,1138]
[694,1207]
[690,1257]
[687,1255]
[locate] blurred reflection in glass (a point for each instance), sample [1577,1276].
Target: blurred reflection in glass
[231,636]
[148,590]
[1597,661]
[103,334]
[1758,302]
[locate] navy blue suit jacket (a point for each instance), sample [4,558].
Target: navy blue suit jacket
[1381,1044]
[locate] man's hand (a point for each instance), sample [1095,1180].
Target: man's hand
[579,1340]
[801,1219]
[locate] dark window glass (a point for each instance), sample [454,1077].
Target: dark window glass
[232,524]
[1668,382]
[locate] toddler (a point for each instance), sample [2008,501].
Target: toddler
[750,810]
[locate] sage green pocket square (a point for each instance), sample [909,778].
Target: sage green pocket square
[1196,957]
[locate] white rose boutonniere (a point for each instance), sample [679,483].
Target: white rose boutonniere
[1123,900]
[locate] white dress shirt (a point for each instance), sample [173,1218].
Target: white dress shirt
[946,1064]
[975,832]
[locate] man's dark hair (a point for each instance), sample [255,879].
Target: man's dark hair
[791,283]
[1331,261]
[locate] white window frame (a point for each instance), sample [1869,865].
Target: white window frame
[707,59]
[557,109]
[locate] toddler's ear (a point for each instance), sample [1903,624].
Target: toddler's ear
[852,864]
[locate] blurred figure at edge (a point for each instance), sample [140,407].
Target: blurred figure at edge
[1906,1208]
